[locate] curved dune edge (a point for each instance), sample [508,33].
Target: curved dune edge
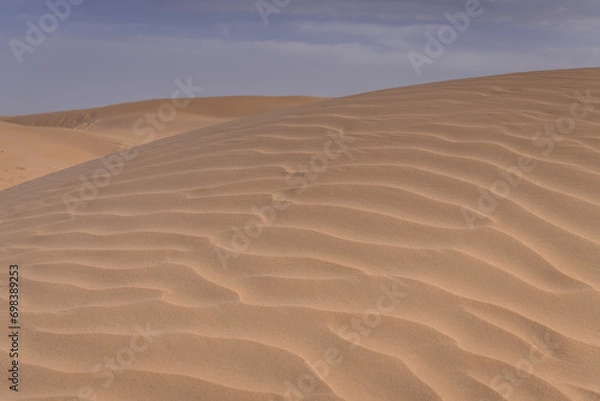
[32,146]
[343,250]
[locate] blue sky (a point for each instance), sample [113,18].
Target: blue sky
[107,52]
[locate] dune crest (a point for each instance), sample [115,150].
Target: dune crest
[394,245]
[39,144]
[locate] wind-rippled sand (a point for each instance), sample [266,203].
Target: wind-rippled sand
[32,146]
[380,268]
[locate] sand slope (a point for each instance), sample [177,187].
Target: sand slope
[361,280]
[31,152]
[35,145]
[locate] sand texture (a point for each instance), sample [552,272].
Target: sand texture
[434,242]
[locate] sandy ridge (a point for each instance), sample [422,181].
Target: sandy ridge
[374,256]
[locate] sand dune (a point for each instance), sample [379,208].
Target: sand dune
[39,144]
[31,152]
[395,245]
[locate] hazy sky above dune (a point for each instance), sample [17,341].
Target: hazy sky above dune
[105,52]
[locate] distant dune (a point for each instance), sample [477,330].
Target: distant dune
[434,242]
[35,145]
